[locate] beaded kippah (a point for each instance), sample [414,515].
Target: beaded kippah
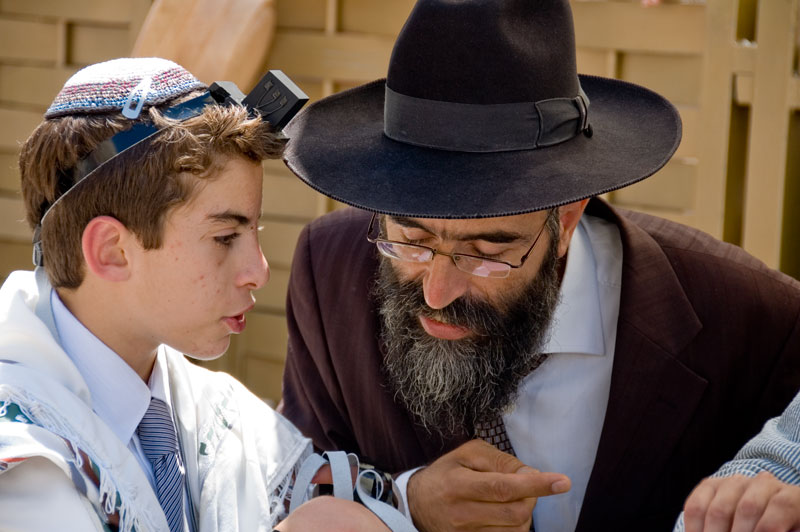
[106,86]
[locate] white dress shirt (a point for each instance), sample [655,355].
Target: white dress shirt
[556,421]
[119,396]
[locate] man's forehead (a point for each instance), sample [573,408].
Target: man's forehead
[517,222]
[520,225]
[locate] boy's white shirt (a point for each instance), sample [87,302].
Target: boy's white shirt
[119,395]
[238,452]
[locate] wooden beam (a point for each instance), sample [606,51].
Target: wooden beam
[794,93]
[744,56]
[713,125]
[12,220]
[340,56]
[743,87]
[645,29]
[766,167]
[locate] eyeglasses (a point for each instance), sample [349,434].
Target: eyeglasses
[472,264]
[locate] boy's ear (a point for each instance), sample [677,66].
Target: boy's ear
[104,244]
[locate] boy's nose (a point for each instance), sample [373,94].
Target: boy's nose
[255,272]
[262,273]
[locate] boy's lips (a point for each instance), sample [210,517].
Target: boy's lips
[445,331]
[238,322]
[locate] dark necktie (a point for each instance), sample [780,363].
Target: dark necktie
[494,432]
[160,444]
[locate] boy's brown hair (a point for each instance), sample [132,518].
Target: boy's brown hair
[138,187]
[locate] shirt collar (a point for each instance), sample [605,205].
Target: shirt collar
[119,396]
[577,325]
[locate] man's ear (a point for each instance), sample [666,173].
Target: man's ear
[568,216]
[104,244]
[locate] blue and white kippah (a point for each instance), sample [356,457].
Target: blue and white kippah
[108,86]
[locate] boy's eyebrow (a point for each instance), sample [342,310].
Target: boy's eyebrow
[230,216]
[498,236]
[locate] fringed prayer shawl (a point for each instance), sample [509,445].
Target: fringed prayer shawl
[240,455]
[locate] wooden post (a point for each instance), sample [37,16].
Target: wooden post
[766,167]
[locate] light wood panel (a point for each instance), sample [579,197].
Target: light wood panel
[31,85]
[734,174]
[105,11]
[674,29]
[17,126]
[9,173]
[772,94]
[89,44]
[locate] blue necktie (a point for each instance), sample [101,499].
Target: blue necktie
[160,443]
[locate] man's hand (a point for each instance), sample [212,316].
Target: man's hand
[738,503]
[476,487]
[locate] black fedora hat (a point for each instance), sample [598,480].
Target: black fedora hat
[482,114]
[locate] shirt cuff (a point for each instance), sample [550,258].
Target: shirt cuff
[401,485]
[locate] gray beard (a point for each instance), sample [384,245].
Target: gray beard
[449,385]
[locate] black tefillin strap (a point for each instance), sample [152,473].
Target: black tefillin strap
[275,99]
[484,128]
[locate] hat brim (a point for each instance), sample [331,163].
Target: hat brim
[337,147]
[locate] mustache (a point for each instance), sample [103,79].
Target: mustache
[479,316]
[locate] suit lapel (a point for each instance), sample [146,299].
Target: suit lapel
[653,395]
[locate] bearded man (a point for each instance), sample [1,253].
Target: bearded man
[481,293]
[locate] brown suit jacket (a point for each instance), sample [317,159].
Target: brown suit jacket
[708,348]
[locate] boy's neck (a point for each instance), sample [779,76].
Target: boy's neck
[106,317]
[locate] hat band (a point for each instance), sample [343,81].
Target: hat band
[484,128]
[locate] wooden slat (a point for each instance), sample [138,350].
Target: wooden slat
[743,87]
[88,10]
[713,130]
[744,57]
[26,40]
[384,17]
[690,117]
[137,16]
[265,337]
[659,72]
[341,56]
[14,256]
[12,220]
[16,127]
[794,93]
[301,14]
[276,168]
[93,44]
[9,173]
[286,196]
[677,29]
[263,378]
[273,295]
[766,167]
[597,62]
[671,189]
[31,84]
[278,240]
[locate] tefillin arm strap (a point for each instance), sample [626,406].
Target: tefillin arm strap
[275,98]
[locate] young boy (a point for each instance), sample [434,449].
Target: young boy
[147,252]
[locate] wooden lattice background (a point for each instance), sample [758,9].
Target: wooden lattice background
[730,66]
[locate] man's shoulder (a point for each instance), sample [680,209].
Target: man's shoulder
[687,245]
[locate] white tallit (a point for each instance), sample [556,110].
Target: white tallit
[240,455]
